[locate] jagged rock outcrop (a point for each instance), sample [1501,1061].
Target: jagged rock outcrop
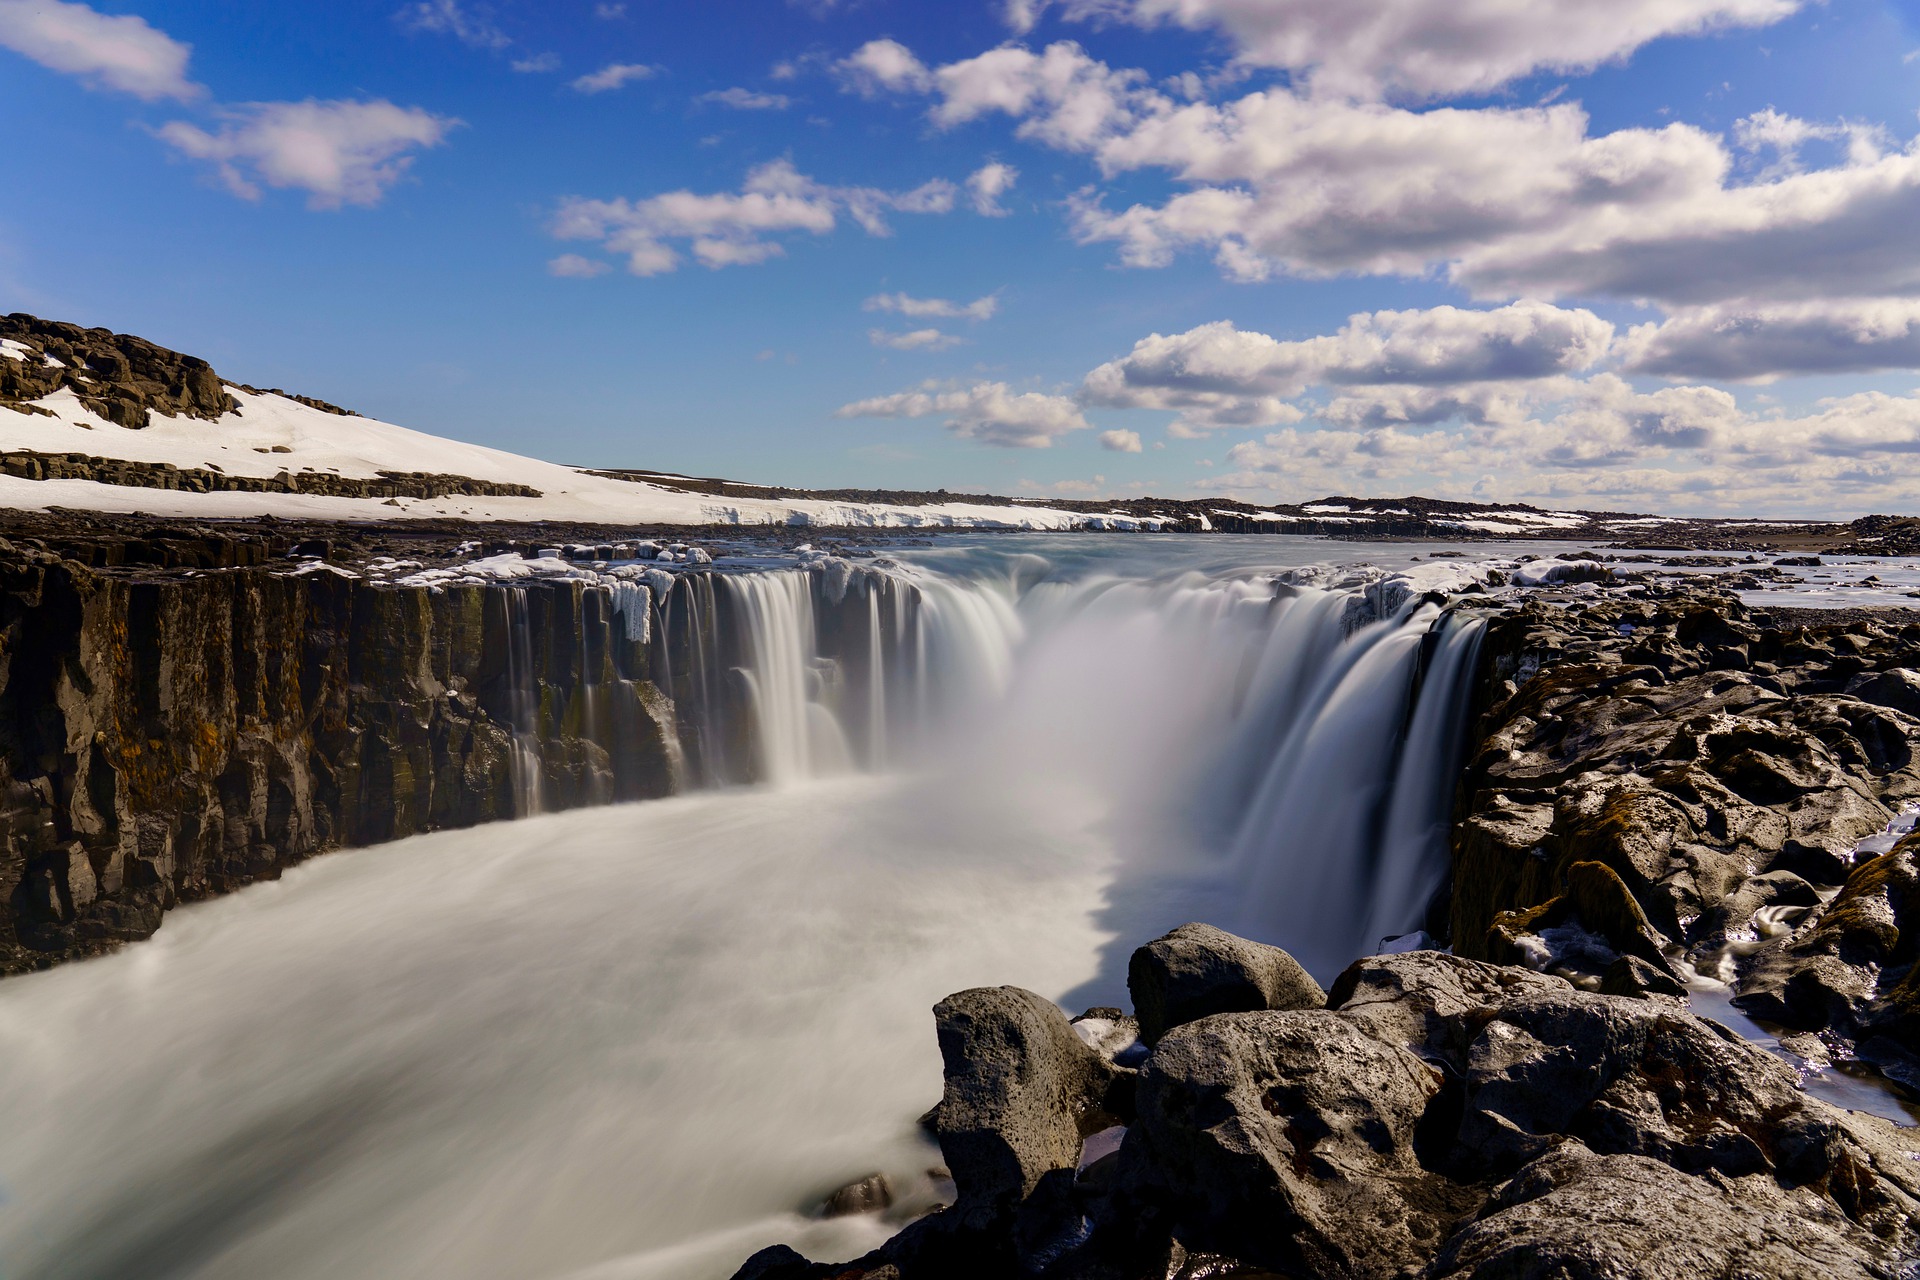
[1850,966]
[28,465]
[166,736]
[121,378]
[1441,1118]
[1675,780]
[312,402]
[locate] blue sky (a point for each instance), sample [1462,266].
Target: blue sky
[1656,254]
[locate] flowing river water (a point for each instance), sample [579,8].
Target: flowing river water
[640,1040]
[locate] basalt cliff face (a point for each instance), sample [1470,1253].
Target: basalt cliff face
[168,735]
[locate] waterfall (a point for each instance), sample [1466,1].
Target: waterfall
[1413,855]
[1309,735]
[1344,843]
[876,686]
[523,707]
[631,1040]
[795,731]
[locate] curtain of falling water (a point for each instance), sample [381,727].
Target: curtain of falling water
[1328,750]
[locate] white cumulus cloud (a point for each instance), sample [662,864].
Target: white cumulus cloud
[990,412]
[725,229]
[339,152]
[1439,362]
[1062,97]
[881,66]
[453,18]
[1120,441]
[1506,201]
[943,308]
[987,184]
[1762,343]
[119,52]
[1603,445]
[1785,136]
[614,75]
[913,339]
[1432,48]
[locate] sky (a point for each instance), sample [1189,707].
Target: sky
[1650,255]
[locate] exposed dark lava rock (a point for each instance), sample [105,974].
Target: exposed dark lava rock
[1198,970]
[28,465]
[121,378]
[1680,781]
[1440,1118]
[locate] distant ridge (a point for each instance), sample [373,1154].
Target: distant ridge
[106,417]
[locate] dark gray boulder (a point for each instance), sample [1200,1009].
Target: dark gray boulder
[1287,1139]
[1574,1215]
[1445,1118]
[1531,1062]
[1898,688]
[1632,976]
[1432,1002]
[1021,1091]
[1198,970]
[1627,1077]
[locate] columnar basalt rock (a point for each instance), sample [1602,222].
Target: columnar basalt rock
[167,736]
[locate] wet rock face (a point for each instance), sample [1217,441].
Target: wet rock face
[1850,966]
[1440,1118]
[167,736]
[1666,783]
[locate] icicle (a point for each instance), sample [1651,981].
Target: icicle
[633,605]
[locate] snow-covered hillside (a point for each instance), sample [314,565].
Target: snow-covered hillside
[270,434]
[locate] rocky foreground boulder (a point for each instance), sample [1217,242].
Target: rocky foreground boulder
[1438,1117]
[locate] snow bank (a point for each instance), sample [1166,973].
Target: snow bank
[1537,573]
[271,434]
